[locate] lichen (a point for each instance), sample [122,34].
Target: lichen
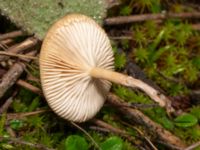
[36,16]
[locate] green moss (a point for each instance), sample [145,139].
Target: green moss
[130,95]
[36,16]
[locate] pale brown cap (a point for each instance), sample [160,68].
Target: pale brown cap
[72,47]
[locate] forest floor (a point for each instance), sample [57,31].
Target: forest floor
[157,42]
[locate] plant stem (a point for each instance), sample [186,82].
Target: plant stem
[129,81]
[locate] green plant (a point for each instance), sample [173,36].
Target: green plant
[150,5]
[130,95]
[126,10]
[185,120]
[160,116]
[195,111]
[112,143]
[120,57]
[75,142]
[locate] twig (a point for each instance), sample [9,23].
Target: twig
[195,96]
[146,17]
[104,130]
[147,139]
[113,129]
[3,46]
[193,146]
[174,80]
[30,77]
[13,34]
[22,142]
[139,106]
[28,43]
[17,55]
[5,106]
[31,54]
[121,38]
[8,102]
[10,131]
[99,129]
[140,118]
[142,134]
[112,3]
[11,77]
[196,26]
[174,147]
[108,126]
[10,116]
[29,86]
[7,41]
[86,133]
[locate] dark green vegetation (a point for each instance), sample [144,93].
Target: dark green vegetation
[169,54]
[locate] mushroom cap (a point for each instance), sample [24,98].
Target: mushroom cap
[72,47]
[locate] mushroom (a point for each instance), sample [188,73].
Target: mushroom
[76,69]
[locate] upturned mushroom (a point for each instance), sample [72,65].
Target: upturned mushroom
[76,67]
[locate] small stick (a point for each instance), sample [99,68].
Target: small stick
[105,130]
[32,78]
[27,85]
[3,46]
[10,116]
[147,139]
[8,102]
[108,126]
[11,76]
[112,3]
[86,133]
[140,118]
[193,146]
[7,41]
[142,134]
[22,142]
[29,54]
[121,38]
[5,106]
[196,26]
[113,129]
[17,55]
[139,106]
[100,129]
[146,17]
[10,131]
[13,34]
[30,87]
[173,80]
[28,43]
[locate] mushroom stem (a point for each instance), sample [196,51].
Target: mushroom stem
[129,81]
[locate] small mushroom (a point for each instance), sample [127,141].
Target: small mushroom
[76,67]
